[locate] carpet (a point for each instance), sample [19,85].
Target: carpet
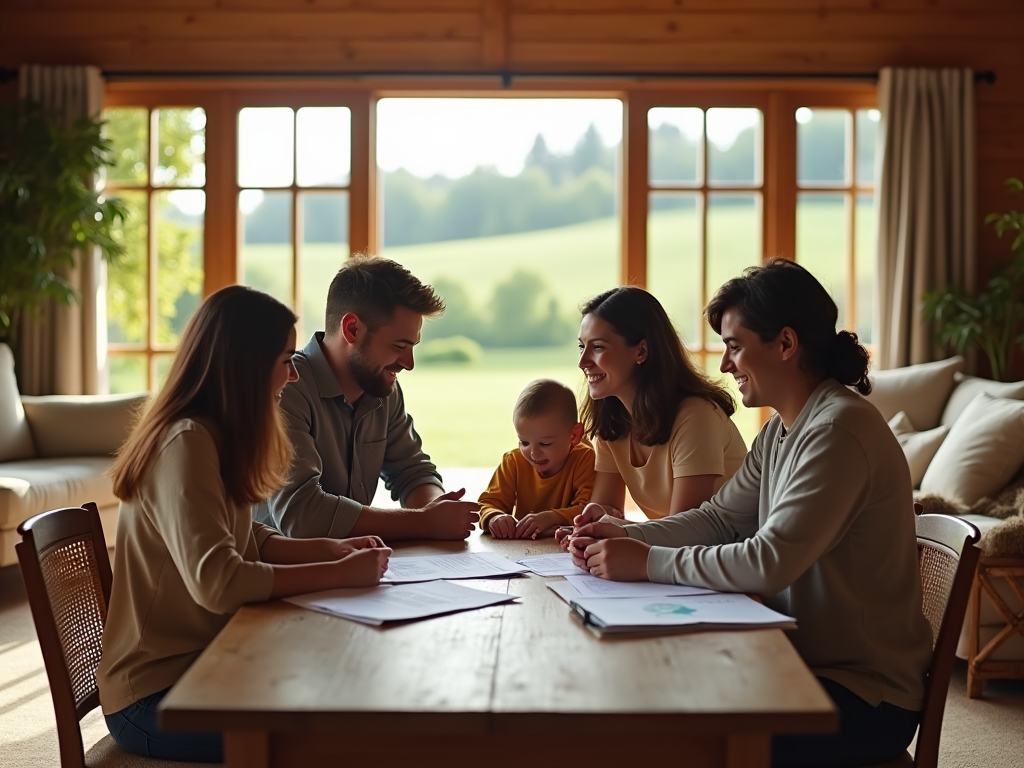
[983,733]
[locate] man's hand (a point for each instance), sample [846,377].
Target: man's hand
[538,524]
[594,512]
[363,568]
[618,559]
[502,526]
[343,547]
[583,537]
[448,517]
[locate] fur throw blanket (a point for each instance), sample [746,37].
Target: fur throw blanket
[1005,539]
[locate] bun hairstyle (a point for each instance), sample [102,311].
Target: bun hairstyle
[783,294]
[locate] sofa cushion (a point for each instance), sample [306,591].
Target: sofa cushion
[81,425]
[921,391]
[981,453]
[918,447]
[37,485]
[15,437]
[969,387]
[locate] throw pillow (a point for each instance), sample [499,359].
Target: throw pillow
[969,387]
[921,391]
[981,453]
[15,435]
[918,447]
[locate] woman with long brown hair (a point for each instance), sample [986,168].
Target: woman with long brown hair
[660,426]
[188,554]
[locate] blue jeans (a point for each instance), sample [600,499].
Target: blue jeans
[866,735]
[136,730]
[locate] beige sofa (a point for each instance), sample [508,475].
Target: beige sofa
[964,440]
[54,452]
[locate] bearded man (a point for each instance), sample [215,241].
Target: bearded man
[347,421]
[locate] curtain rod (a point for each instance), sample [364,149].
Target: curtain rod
[7,74]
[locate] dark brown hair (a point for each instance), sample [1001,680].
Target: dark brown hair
[782,294]
[666,378]
[545,396]
[373,288]
[222,372]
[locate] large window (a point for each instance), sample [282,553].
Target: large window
[517,210]
[160,173]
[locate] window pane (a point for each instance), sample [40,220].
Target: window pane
[324,136]
[181,147]
[128,280]
[675,137]
[734,146]
[266,252]
[733,240]
[674,225]
[128,131]
[161,366]
[866,247]
[127,374]
[266,144]
[179,254]
[324,248]
[867,137]
[822,138]
[821,243]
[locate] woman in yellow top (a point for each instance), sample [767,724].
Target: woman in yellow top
[660,426]
[188,554]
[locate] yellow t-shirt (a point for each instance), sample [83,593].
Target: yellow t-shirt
[704,441]
[517,489]
[187,558]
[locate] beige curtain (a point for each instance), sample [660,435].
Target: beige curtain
[63,350]
[926,202]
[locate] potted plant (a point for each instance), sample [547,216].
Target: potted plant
[992,319]
[50,208]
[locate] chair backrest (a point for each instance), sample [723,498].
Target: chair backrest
[66,569]
[947,556]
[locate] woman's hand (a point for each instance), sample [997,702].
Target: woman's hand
[583,537]
[621,559]
[594,512]
[342,547]
[363,568]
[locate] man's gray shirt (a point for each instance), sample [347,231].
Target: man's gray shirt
[340,452]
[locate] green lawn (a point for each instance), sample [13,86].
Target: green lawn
[463,411]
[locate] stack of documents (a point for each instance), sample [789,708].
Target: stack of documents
[467,565]
[668,613]
[559,564]
[375,605]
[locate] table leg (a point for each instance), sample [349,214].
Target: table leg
[748,750]
[246,749]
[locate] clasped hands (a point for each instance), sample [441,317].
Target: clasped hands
[599,544]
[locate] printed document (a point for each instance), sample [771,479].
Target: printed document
[375,605]
[465,565]
[551,565]
[592,586]
[647,614]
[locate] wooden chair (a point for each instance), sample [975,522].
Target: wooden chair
[947,558]
[67,576]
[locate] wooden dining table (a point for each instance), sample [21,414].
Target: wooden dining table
[517,685]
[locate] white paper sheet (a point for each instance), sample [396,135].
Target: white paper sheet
[375,605]
[551,565]
[642,614]
[592,586]
[465,565]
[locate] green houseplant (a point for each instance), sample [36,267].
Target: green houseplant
[991,319]
[50,208]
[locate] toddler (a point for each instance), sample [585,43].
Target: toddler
[548,481]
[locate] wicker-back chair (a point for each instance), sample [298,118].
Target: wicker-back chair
[67,576]
[947,558]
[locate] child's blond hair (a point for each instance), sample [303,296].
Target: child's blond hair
[544,396]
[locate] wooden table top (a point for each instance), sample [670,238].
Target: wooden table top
[278,667]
